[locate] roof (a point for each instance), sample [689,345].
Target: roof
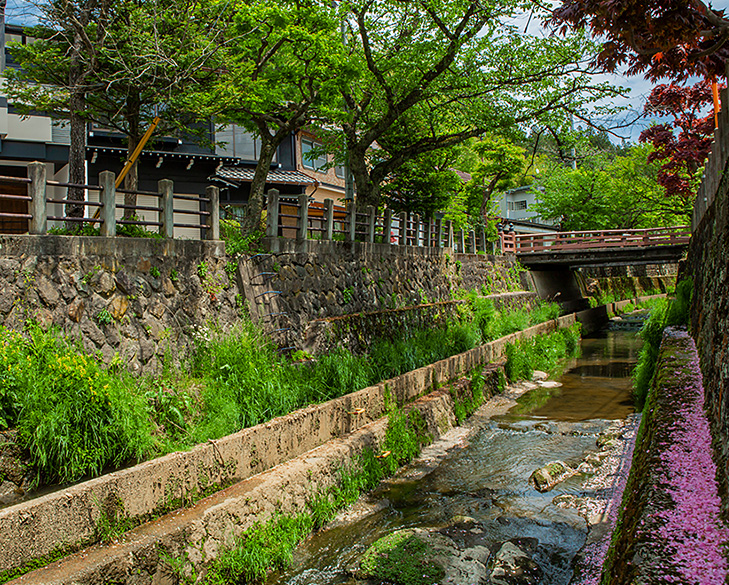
[464,176]
[161,154]
[245,175]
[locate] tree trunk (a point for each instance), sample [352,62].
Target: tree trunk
[254,210]
[131,181]
[368,193]
[487,193]
[77,148]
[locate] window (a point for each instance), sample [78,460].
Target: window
[517,205]
[318,162]
[339,170]
[236,141]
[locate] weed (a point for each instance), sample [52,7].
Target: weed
[347,295]
[154,272]
[104,317]
[540,353]
[231,268]
[174,275]
[90,274]
[202,270]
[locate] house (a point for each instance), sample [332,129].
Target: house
[516,210]
[230,163]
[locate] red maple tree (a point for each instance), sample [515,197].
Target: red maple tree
[683,143]
[668,39]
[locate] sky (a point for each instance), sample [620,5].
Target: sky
[21,12]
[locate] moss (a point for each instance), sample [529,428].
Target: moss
[39,562]
[403,559]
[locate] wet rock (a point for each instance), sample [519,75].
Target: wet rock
[549,384]
[512,566]
[417,556]
[550,475]
[538,376]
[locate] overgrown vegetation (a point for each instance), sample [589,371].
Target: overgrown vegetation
[270,545]
[663,314]
[541,353]
[77,418]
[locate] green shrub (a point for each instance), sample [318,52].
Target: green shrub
[540,353]
[678,308]
[74,417]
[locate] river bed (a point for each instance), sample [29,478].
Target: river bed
[473,486]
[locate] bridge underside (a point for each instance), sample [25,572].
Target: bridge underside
[664,254]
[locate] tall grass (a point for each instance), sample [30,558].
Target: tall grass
[541,353]
[76,418]
[663,314]
[73,416]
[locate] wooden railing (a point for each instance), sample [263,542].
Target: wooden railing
[297,218]
[593,240]
[154,211]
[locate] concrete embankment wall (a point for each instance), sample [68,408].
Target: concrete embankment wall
[68,519]
[669,528]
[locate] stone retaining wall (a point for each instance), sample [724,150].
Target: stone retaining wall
[69,518]
[298,283]
[132,297]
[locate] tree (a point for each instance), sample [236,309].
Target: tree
[500,165]
[424,185]
[117,64]
[669,39]
[445,72]
[55,70]
[286,64]
[684,144]
[607,192]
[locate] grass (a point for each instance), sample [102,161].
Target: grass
[541,353]
[77,418]
[664,313]
[269,545]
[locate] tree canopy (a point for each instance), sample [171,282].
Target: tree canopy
[669,39]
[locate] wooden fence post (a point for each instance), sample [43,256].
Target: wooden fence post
[352,215]
[474,250]
[439,234]
[213,194]
[483,239]
[371,224]
[272,211]
[416,228]
[449,233]
[37,194]
[165,188]
[461,241]
[107,198]
[328,219]
[404,220]
[303,231]
[387,230]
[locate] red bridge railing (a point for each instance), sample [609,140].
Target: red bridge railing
[592,240]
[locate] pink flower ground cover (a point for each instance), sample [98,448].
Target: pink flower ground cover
[672,532]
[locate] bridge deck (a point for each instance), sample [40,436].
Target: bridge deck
[588,247]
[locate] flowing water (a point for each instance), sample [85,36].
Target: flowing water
[483,477]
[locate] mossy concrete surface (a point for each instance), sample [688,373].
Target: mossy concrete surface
[70,517]
[670,529]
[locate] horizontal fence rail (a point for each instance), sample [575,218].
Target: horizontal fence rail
[106,213]
[594,239]
[295,217]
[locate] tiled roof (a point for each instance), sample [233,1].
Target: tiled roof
[245,175]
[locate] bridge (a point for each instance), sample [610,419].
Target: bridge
[598,248]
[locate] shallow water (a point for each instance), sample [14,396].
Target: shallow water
[486,477]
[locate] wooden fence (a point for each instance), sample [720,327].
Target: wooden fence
[158,216]
[594,239]
[296,218]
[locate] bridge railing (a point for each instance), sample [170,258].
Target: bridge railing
[594,239]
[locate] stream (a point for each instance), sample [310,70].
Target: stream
[473,486]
